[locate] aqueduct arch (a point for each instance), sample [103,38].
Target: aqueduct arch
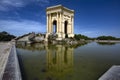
[60,20]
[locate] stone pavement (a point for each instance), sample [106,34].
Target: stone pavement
[5,48]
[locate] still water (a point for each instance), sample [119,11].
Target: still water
[65,62]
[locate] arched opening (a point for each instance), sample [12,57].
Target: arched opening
[65,28]
[54,26]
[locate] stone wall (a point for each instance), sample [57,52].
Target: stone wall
[12,69]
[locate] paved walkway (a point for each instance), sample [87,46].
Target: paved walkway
[112,74]
[4,53]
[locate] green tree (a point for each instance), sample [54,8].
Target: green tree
[4,36]
[106,38]
[79,36]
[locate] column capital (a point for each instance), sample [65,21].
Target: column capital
[47,13]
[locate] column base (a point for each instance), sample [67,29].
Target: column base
[71,35]
[46,37]
[63,35]
[59,36]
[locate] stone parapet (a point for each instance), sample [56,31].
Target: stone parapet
[12,69]
[5,48]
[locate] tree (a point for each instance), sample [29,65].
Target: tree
[106,38]
[4,36]
[79,36]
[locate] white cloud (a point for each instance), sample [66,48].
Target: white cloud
[14,3]
[88,32]
[21,27]
[43,1]
[6,5]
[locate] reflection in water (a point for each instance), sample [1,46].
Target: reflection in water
[65,62]
[106,43]
[59,61]
[41,46]
[33,47]
[51,62]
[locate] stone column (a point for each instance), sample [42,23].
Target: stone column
[72,24]
[47,24]
[63,27]
[57,23]
[50,24]
[60,27]
[63,24]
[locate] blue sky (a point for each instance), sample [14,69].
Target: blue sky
[92,17]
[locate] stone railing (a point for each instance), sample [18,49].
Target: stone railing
[12,70]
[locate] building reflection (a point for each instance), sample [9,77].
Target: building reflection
[59,61]
[55,63]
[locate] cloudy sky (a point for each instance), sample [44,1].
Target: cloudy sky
[92,17]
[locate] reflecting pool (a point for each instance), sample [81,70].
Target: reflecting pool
[67,62]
